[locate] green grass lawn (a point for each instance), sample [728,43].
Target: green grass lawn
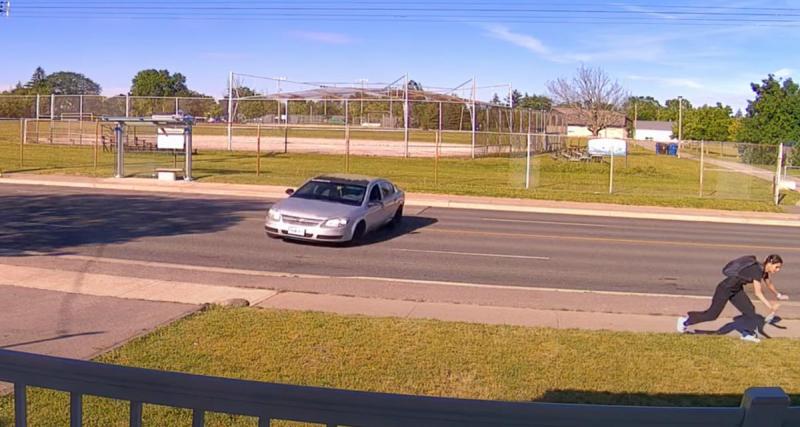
[438,359]
[641,179]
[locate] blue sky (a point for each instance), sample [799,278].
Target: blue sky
[703,63]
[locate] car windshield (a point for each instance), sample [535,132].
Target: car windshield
[336,192]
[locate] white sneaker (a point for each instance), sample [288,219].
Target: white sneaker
[751,338]
[681,325]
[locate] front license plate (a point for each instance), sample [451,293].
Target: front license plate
[297,231]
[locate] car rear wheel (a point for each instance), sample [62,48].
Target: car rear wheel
[397,218]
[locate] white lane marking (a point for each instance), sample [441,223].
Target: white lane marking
[544,258]
[363,278]
[527,221]
[187,267]
[42,224]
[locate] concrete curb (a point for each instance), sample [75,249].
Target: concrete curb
[427,200]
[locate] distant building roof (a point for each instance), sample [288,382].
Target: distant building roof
[574,117]
[653,125]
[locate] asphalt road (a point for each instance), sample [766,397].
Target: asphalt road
[150,235]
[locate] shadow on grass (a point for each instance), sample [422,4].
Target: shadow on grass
[52,223]
[739,324]
[648,399]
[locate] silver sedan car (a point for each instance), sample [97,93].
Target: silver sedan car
[336,208]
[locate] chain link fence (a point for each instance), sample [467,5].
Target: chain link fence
[509,152]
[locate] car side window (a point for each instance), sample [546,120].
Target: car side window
[375,194]
[387,189]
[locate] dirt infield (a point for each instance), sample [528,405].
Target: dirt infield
[361,147]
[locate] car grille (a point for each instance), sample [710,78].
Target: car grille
[305,222]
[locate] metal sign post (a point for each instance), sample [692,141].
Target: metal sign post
[118,134]
[187,175]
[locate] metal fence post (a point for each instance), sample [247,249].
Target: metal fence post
[24,131]
[127,105]
[80,120]
[702,166]
[230,111]
[777,186]
[436,149]
[611,174]
[96,141]
[346,136]
[764,407]
[258,151]
[52,107]
[405,116]
[528,164]
[473,116]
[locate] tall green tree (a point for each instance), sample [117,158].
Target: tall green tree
[38,82]
[672,109]
[516,96]
[159,83]
[69,83]
[643,108]
[708,123]
[535,102]
[774,115]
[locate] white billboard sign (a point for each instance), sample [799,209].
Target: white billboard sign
[607,147]
[170,138]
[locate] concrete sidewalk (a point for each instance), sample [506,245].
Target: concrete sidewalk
[582,310]
[421,199]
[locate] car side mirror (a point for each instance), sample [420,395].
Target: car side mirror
[290,191]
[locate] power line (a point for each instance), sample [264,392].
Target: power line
[565,19]
[301,10]
[465,11]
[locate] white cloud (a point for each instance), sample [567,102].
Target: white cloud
[323,37]
[522,40]
[783,73]
[669,81]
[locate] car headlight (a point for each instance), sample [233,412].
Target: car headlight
[274,215]
[335,223]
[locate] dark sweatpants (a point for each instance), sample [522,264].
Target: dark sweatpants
[727,290]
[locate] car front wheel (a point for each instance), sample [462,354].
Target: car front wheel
[358,233]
